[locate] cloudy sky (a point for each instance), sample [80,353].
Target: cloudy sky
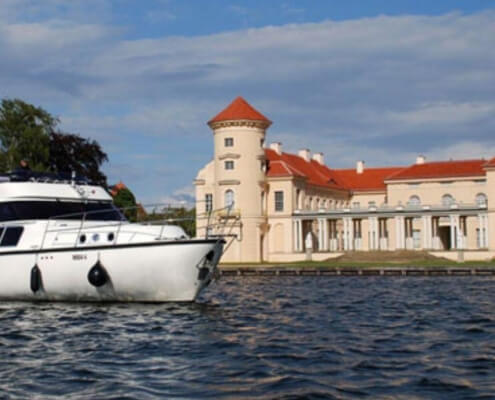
[376,80]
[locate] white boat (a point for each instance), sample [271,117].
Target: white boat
[64,240]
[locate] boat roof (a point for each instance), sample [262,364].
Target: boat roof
[28,185]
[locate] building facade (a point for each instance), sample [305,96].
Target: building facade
[278,206]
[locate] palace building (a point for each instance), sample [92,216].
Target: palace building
[276,205]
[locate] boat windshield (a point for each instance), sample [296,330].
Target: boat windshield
[40,210]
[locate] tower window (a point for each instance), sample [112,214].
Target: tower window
[229,164]
[208,202]
[279,201]
[229,142]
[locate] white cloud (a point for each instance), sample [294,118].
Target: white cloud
[381,89]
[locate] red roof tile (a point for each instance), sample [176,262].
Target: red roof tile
[441,169]
[239,109]
[286,164]
[490,163]
[370,179]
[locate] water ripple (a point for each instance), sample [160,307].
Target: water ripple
[261,338]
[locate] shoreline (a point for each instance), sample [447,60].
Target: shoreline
[357,269]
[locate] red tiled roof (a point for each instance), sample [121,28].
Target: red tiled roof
[441,169]
[490,163]
[117,188]
[369,180]
[286,164]
[239,109]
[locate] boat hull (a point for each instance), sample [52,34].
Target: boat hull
[144,272]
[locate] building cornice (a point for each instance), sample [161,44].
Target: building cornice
[229,155]
[229,182]
[239,123]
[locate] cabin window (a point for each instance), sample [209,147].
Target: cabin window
[10,235]
[208,202]
[42,210]
[229,142]
[279,200]
[229,164]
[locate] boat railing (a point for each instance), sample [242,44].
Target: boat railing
[163,214]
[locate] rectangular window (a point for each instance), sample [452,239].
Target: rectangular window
[208,202]
[356,204]
[279,201]
[229,164]
[371,204]
[229,142]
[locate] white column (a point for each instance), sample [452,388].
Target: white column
[299,235]
[487,232]
[436,238]
[483,228]
[351,234]
[453,232]
[345,233]
[427,232]
[400,232]
[325,234]
[320,234]
[397,232]
[295,235]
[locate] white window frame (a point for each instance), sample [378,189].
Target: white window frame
[279,202]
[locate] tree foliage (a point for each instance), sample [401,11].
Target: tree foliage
[70,152]
[30,133]
[125,200]
[24,134]
[181,216]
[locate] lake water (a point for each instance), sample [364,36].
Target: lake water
[289,338]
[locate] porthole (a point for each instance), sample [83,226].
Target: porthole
[96,237]
[82,238]
[111,236]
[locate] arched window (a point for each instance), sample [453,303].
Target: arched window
[414,201]
[310,204]
[481,200]
[447,200]
[229,198]
[298,199]
[317,205]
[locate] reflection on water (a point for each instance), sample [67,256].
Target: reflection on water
[261,338]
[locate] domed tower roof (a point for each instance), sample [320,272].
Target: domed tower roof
[238,113]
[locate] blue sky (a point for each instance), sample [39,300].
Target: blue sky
[376,80]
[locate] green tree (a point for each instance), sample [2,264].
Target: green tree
[70,152]
[125,200]
[30,133]
[181,216]
[24,135]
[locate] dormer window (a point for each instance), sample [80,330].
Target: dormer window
[229,142]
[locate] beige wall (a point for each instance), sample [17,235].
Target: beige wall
[364,198]
[431,192]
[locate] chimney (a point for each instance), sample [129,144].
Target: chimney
[420,159]
[360,167]
[304,154]
[319,158]
[276,147]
